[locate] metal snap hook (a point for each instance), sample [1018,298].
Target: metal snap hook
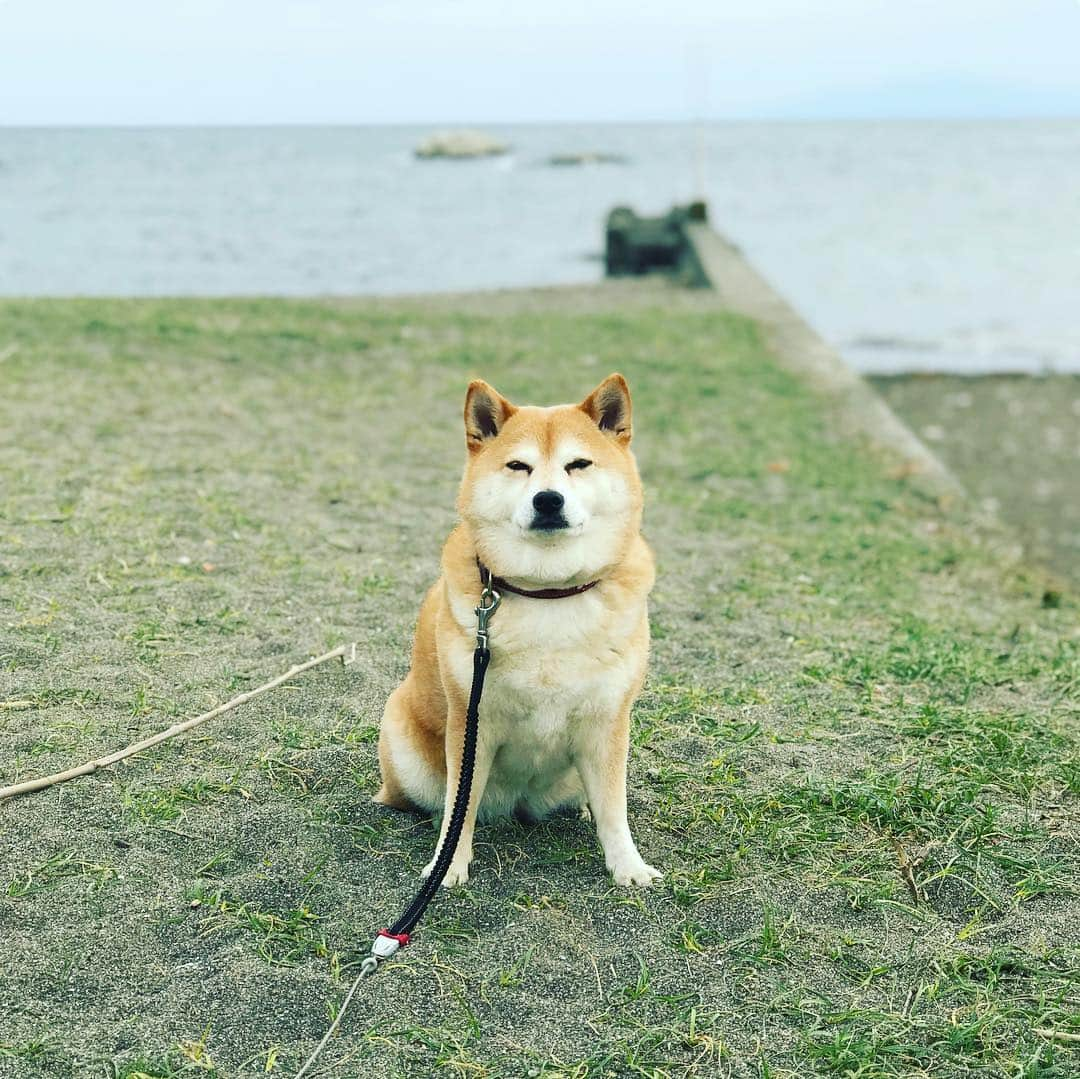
[489,602]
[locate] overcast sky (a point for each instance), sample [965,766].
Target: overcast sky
[486,61]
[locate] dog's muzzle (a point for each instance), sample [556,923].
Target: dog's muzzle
[548,516]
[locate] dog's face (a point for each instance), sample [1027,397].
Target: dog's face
[550,493]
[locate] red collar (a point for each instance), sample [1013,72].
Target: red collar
[500,584]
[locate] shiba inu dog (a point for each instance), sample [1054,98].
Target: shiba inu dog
[550,504]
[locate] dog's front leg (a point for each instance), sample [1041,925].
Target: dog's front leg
[602,764]
[458,873]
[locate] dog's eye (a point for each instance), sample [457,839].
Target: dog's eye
[518,466]
[579,463]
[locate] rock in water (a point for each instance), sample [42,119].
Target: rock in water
[587,157]
[461,144]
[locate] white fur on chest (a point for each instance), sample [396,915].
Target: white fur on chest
[559,668]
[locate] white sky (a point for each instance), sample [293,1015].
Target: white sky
[432,61]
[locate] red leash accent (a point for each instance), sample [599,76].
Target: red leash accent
[401,938]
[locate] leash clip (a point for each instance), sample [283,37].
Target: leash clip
[489,603]
[383,947]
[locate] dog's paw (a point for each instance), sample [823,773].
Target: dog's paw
[637,875]
[458,873]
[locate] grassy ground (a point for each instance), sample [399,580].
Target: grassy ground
[1014,441]
[856,758]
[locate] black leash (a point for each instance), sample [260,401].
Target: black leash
[388,941]
[407,922]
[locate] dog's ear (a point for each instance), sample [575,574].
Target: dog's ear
[486,410]
[609,408]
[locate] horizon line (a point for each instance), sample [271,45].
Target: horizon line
[652,122]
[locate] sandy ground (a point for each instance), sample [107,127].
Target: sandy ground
[855,759]
[1014,442]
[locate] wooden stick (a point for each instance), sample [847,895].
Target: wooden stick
[178,728]
[1058,1035]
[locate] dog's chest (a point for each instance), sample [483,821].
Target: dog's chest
[544,695]
[536,719]
[557,666]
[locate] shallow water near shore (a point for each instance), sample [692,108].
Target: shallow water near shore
[909,245]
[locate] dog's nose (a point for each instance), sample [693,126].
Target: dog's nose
[547,501]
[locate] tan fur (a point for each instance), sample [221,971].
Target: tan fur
[564,673]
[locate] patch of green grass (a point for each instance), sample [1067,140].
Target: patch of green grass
[147,639]
[190,1058]
[282,937]
[163,805]
[61,866]
[37,1049]
[153,1068]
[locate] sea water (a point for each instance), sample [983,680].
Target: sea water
[950,245]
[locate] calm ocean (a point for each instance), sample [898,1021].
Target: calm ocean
[910,245]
